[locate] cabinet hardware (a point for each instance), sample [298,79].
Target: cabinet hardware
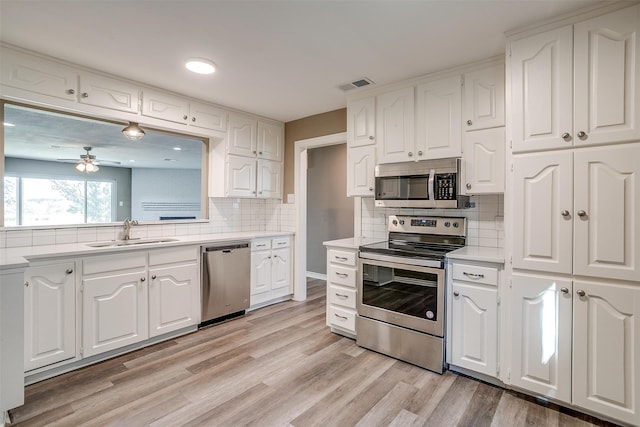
[469,122]
[185,117]
[69,270]
[193,119]
[582,135]
[410,154]
[564,213]
[342,296]
[420,153]
[341,258]
[566,136]
[261,246]
[582,213]
[26,284]
[260,152]
[564,290]
[153,277]
[456,293]
[85,95]
[342,274]
[473,275]
[259,192]
[468,186]
[340,317]
[581,293]
[142,279]
[282,243]
[255,152]
[71,91]
[370,188]
[371,137]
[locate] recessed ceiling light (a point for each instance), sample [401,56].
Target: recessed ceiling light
[200,65]
[7,124]
[177,148]
[132,161]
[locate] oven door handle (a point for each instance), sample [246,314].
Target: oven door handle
[431,187]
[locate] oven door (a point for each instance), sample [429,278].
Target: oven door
[402,294]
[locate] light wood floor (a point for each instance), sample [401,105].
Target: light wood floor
[277,366]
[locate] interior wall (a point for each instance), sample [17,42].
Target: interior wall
[329,210]
[179,189]
[308,127]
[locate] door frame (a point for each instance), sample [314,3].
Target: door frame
[300,189]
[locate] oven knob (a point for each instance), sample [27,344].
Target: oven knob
[447,224]
[455,225]
[402,222]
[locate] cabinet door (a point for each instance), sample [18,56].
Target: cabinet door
[38,75]
[606,350]
[543,203]
[115,312]
[49,315]
[361,122]
[541,335]
[241,177]
[109,93]
[607,72]
[361,162]
[484,165]
[269,179]
[395,126]
[260,272]
[484,98]
[541,90]
[281,268]
[165,107]
[173,295]
[243,138]
[270,141]
[474,326]
[208,117]
[607,212]
[439,119]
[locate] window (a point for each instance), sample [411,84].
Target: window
[50,201]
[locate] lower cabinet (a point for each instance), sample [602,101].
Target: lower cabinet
[270,269]
[49,314]
[578,342]
[473,330]
[342,290]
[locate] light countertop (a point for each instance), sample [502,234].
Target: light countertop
[19,257]
[478,253]
[351,242]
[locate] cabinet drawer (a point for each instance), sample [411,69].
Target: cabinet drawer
[342,296]
[345,319]
[475,274]
[280,242]
[341,257]
[260,245]
[136,261]
[173,255]
[342,275]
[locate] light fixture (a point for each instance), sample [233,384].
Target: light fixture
[7,124]
[200,66]
[133,132]
[177,149]
[86,163]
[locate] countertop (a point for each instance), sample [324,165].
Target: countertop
[19,257]
[351,242]
[478,253]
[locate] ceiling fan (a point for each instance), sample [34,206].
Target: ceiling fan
[88,162]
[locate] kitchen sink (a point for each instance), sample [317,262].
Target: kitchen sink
[130,242]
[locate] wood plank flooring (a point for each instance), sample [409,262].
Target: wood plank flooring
[277,366]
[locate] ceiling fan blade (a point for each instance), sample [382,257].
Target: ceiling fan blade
[112,162]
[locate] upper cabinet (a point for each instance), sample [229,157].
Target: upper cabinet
[270,141]
[250,137]
[109,93]
[577,85]
[395,126]
[439,116]
[361,122]
[175,109]
[483,98]
[207,116]
[484,161]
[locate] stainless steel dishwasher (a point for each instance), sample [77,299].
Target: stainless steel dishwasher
[226,276]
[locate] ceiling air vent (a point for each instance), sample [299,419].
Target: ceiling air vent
[364,81]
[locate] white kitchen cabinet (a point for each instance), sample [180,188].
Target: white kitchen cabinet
[439,119]
[395,126]
[484,161]
[270,141]
[207,117]
[342,273]
[164,106]
[269,179]
[483,98]
[541,335]
[271,266]
[174,288]
[109,93]
[361,122]
[247,177]
[49,314]
[361,162]
[473,331]
[115,299]
[250,137]
[578,212]
[592,65]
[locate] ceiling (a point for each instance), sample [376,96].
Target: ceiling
[279,59]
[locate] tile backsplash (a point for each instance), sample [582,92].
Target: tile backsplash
[485,221]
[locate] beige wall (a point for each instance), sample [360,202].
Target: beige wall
[308,127]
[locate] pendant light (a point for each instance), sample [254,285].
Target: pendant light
[133,132]
[87,166]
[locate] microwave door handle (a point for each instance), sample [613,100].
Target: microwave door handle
[432,191]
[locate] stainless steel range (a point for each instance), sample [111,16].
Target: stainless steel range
[401,285]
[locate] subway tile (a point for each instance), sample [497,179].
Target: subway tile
[66,235]
[491,234]
[86,234]
[44,237]
[3,239]
[154,230]
[17,238]
[106,233]
[490,243]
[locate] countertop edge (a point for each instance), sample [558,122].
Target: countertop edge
[478,254]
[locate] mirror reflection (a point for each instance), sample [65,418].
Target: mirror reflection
[65,169]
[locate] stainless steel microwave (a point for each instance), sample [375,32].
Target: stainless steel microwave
[423,184]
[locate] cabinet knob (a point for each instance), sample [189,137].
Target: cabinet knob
[410,154]
[582,135]
[26,284]
[468,186]
[193,119]
[153,277]
[260,152]
[255,152]
[581,293]
[370,188]
[143,279]
[456,293]
[259,192]
[185,117]
[71,91]
[582,213]
[371,137]
[469,122]
[85,95]
[564,290]
[69,270]
[564,213]
[419,153]
[566,136]
[253,192]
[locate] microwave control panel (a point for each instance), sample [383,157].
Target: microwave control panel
[445,186]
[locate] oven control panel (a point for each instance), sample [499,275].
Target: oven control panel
[453,226]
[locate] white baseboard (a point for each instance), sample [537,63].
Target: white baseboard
[318,276]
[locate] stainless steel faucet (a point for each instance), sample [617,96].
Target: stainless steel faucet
[128,223]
